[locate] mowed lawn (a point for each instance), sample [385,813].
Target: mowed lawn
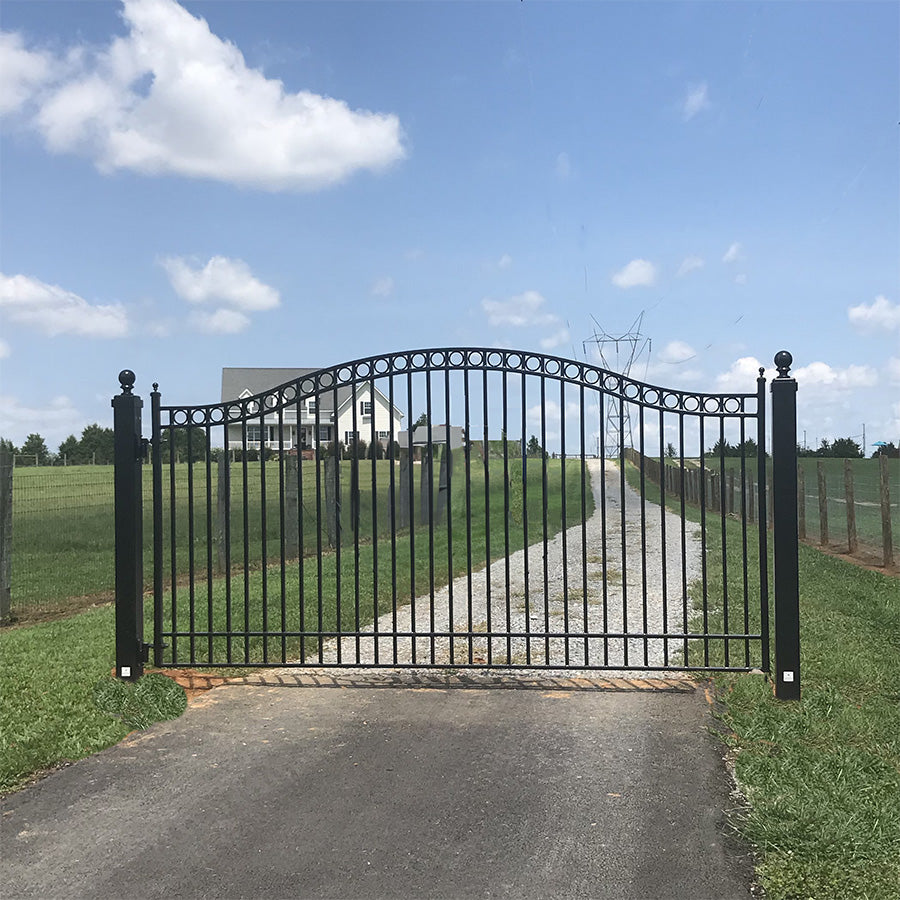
[63,518]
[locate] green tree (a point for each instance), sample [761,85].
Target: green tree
[846,448]
[721,448]
[96,445]
[34,446]
[70,451]
[7,446]
[888,450]
[671,453]
[199,445]
[533,447]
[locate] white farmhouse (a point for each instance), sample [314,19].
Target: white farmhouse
[312,421]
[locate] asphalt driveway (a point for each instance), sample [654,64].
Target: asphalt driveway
[345,792]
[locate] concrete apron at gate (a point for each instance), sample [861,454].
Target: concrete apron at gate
[547,611]
[331,792]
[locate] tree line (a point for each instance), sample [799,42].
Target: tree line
[95,446]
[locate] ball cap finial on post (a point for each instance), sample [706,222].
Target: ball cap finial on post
[126,380]
[783,361]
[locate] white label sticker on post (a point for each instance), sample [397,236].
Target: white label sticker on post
[787,676]
[126,673]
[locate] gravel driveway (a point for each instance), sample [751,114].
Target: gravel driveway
[631,601]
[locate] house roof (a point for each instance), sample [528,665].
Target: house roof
[237,381]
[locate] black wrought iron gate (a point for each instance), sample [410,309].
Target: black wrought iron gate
[459,508]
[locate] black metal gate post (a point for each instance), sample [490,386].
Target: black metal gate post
[786,535]
[128,454]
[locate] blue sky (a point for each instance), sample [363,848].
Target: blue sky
[297,184]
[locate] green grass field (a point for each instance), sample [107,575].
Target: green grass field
[63,519]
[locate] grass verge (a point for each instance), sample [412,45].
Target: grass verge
[821,777]
[60,702]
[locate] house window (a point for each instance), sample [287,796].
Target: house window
[350,437]
[383,435]
[254,433]
[365,407]
[311,407]
[324,432]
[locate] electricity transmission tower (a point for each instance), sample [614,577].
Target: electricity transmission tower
[617,353]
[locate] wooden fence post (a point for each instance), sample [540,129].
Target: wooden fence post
[851,507]
[443,484]
[823,503]
[425,483]
[6,500]
[291,508]
[333,499]
[223,501]
[887,542]
[402,511]
[801,501]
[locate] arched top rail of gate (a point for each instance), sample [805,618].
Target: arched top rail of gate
[372,368]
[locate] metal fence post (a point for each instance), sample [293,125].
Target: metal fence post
[785,542]
[6,503]
[127,454]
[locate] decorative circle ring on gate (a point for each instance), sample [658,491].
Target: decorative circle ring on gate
[691,403]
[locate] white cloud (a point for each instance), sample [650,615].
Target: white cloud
[521,310]
[383,287]
[22,72]
[676,352]
[740,278]
[741,377]
[170,97]
[880,315]
[221,280]
[733,253]
[222,321]
[638,273]
[54,422]
[812,379]
[53,310]
[819,374]
[563,167]
[688,264]
[557,339]
[695,101]
[4,349]
[504,262]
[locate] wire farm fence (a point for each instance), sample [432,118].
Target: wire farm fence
[59,551]
[848,506]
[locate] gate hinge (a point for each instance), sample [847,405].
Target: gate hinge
[144,448]
[145,651]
